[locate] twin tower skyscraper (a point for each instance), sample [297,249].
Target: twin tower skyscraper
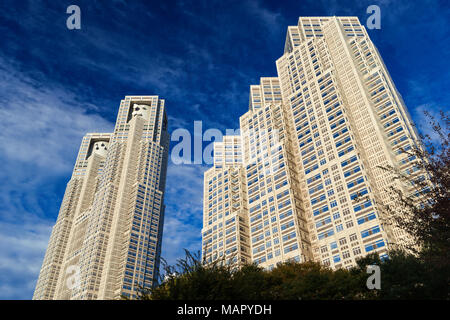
[302,180]
[106,242]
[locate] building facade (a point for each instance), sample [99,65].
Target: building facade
[107,238]
[313,146]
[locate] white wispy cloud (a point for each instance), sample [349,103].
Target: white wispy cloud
[184,211]
[42,125]
[40,132]
[22,248]
[424,123]
[273,21]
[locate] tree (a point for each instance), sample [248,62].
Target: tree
[403,276]
[424,213]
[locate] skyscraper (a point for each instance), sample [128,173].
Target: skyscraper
[313,144]
[107,239]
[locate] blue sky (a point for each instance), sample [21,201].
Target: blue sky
[201,56]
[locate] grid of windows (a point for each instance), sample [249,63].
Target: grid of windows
[339,118]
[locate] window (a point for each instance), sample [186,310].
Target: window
[375,245]
[325,234]
[356,251]
[369,232]
[366,218]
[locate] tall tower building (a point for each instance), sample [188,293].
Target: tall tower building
[313,143]
[107,239]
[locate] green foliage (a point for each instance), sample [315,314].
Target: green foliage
[310,280]
[403,276]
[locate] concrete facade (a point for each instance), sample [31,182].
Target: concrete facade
[107,239]
[312,144]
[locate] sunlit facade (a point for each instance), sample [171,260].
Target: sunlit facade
[107,239]
[313,143]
